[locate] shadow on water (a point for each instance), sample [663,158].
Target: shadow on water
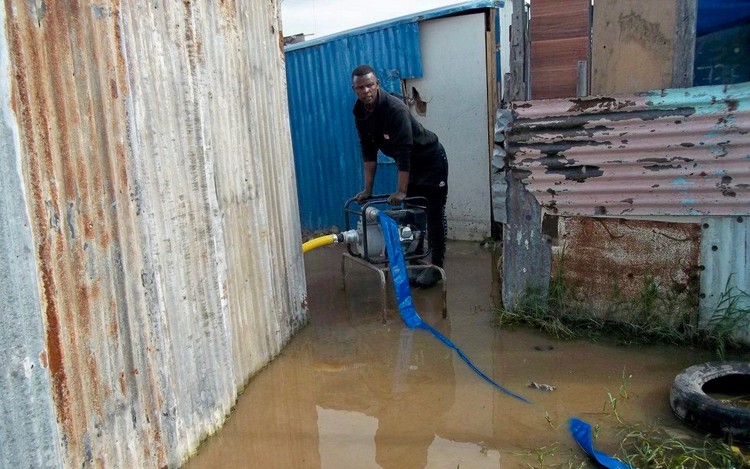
[350,392]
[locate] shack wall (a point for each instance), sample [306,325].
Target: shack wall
[608,172]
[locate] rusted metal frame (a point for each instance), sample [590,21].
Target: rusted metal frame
[382,271]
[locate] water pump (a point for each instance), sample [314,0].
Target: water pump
[366,244]
[366,240]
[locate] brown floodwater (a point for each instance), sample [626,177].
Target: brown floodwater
[351,392]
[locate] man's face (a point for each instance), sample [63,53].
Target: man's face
[366,87]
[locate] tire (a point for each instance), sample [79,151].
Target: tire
[691,404]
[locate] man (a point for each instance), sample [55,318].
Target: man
[384,123]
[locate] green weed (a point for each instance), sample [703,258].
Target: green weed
[732,313]
[653,447]
[647,446]
[649,318]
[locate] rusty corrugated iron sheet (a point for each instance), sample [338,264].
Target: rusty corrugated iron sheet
[668,152]
[630,269]
[28,434]
[156,168]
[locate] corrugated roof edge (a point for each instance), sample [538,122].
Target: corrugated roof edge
[449,10]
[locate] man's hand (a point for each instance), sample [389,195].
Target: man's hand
[362,196]
[396,198]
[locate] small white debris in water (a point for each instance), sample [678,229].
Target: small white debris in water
[543,387]
[414,367]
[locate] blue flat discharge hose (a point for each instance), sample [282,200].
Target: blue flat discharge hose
[580,430]
[405,303]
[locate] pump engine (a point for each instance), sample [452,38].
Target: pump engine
[364,236]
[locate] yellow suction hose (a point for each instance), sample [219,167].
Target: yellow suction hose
[318,242]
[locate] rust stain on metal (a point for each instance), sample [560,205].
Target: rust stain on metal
[194,46]
[122,82]
[666,152]
[123,387]
[594,104]
[611,262]
[22,99]
[228,12]
[68,105]
[114,328]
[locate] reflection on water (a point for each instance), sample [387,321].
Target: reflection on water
[346,438]
[350,392]
[451,454]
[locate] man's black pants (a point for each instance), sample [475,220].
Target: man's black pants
[437,228]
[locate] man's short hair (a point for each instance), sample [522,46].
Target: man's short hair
[363,70]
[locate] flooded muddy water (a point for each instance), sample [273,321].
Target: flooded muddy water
[351,392]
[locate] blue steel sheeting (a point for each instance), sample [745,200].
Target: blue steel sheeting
[326,148]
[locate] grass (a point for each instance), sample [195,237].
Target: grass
[649,318]
[641,446]
[654,448]
[732,313]
[561,314]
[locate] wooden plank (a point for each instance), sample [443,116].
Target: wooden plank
[555,65]
[560,19]
[564,25]
[516,83]
[560,7]
[559,40]
[633,45]
[684,48]
[560,53]
[554,83]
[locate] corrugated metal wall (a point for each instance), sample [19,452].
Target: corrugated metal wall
[326,146]
[725,268]
[670,152]
[160,266]
[678,155]
[28,434]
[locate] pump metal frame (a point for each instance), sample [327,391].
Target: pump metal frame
[373,263]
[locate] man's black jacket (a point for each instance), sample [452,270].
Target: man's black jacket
[392,129]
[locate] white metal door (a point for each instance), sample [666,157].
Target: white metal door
[453,101]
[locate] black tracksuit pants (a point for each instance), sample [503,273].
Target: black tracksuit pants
[437,228]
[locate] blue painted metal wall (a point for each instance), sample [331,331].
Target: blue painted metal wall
[326,147]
